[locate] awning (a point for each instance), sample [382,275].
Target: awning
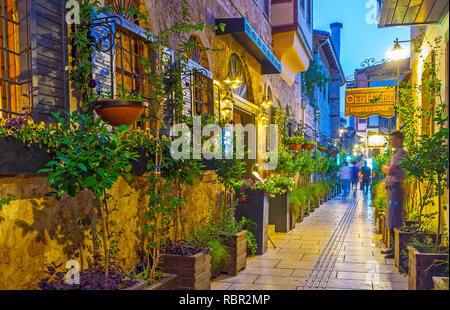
[411,12]
[241,30]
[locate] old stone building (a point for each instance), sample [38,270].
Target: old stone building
[327,54]
[266,45]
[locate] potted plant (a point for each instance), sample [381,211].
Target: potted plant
[294,143]
[402,236]
[21,138]
[253,204]
[279,205]
[191,263]
[90,158]
[309,145]
[124,109]
[227,239]
[425,262]
[322,148]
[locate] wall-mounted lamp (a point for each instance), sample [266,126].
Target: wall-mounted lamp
[232,83]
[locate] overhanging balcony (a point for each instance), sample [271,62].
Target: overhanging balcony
[292,37]
[411,12]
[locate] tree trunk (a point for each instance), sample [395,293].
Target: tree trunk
[439,215]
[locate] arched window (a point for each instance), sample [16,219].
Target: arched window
[9,59]
[122,8]
[236,71]
[197,52]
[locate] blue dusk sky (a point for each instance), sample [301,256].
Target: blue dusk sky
[359,39]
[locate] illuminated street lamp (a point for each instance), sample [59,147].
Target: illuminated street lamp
[397,52]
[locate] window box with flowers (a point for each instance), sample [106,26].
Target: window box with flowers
[25,147]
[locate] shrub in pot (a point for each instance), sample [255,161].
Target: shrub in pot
[192,264]
[294,143]
[402,236]
[124,109]
[279,204]
[425,262]
[91,157]
[253,205]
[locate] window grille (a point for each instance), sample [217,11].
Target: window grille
[9,60]
[130,48]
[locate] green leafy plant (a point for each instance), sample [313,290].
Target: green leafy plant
[5,201]
[91,157]
[293,140]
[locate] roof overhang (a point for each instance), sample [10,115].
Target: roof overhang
[330,53]
[292,49]
[411,12]
[242,32]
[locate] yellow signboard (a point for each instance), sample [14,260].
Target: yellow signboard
[365,102]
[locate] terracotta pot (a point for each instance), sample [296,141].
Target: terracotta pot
[118,112]
[322,148]
[294,146]
[308,146]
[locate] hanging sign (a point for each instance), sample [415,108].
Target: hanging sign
[365,102]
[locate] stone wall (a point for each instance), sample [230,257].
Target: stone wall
[36,230]
[207,11]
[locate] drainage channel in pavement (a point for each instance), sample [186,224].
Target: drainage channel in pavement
[321,271]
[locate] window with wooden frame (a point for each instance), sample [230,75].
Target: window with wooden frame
[201,85]
[428,106]
[9,60]
[130,49]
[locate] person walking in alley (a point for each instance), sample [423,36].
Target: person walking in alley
[354,177]
[366,173]
[394,189]
[346,176]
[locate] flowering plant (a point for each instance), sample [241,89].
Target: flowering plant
[270,187]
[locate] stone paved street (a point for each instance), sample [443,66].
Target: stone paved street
[335,248]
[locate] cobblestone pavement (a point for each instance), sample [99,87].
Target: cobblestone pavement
[335,248]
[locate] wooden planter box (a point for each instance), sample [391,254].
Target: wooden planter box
[280,213]
[210,164]
[401,240]
[194,272]
[237,247]
[256,209]
[167,283]
[440,283]
[139,166]
[18,158]
[381,226]
[419,278]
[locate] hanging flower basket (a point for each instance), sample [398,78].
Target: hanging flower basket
[308,146]
[295,146]
[322,148]
[118,112]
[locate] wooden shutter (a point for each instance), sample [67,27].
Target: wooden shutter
[193,70]
[44,54]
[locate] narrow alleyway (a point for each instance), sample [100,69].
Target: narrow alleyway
[336,247]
